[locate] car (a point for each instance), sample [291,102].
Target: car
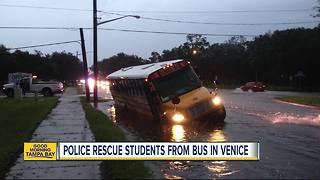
[28,84]
[253,86]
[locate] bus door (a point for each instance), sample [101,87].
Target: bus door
[153,100]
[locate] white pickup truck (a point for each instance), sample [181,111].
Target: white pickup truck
[27,84]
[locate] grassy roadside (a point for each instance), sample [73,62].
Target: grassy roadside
[105,130]
[18,120]
[305,100]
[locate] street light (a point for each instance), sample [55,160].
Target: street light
[194,52]
[95,47]
[103,22]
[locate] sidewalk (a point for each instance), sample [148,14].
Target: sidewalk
[66,122]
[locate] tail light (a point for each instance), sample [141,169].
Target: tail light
[60,85]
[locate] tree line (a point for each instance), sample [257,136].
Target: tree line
[287,58]
[60,66]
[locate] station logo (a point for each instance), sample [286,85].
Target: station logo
[40,151]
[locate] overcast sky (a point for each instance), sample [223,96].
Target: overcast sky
[142,44]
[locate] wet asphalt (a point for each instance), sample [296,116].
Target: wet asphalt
[289,137]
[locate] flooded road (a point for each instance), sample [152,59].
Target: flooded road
[289,137]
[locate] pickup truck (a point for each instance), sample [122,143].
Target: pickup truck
[47,88]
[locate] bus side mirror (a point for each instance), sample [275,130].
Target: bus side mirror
[175,101]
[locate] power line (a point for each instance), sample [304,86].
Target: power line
[210,11]
[219,23]
[159,12]
[180,21]
[126,30]
[45,7]
[39,28]
[176,33]
[229,24]
[41,45]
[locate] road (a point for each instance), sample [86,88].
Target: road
[289,137]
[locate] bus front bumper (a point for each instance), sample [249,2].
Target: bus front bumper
[215,114]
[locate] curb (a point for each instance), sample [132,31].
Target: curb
[296,104]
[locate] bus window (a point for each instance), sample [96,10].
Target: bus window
[135,89]
[130,87]
[177,83]
[140,87]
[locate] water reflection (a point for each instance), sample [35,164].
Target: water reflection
[220,168]
[178,133]
[217,136]
[112,113]
[152,130]
[104,85]
[171,176]
[293,118]
[179,165]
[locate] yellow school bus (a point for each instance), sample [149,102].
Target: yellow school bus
[168,90]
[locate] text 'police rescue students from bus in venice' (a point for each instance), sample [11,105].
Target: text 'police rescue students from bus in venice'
[156,150]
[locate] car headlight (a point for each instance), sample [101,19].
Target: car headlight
[216,101]
[178,117]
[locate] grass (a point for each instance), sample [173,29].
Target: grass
[305,100]
[18,120]
[105,130]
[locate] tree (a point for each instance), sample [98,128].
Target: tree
[184,51]
[67,67]
[271,58]
[196,41]
[58,65]
[121,60]
[155,57]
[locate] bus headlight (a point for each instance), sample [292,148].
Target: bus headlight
[178,117]
[216,100]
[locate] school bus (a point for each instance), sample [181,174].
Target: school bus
[168,90]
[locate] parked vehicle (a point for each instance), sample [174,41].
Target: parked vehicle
[167,90]
[28,84]
[253,86]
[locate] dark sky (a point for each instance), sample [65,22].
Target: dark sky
[142,44]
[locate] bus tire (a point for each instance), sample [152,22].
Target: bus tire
[223,113]
[219,115]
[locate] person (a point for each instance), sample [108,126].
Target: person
[24,85]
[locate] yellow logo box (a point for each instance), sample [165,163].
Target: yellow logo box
[40,151]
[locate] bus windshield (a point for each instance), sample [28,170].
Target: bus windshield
[177,83]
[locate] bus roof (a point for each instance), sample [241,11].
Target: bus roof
[141,71]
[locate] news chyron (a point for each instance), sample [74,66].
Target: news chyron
[241,151]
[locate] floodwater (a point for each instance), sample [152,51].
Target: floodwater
[289,137]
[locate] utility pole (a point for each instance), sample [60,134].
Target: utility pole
[95,50]
[95,54]
[85,64]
